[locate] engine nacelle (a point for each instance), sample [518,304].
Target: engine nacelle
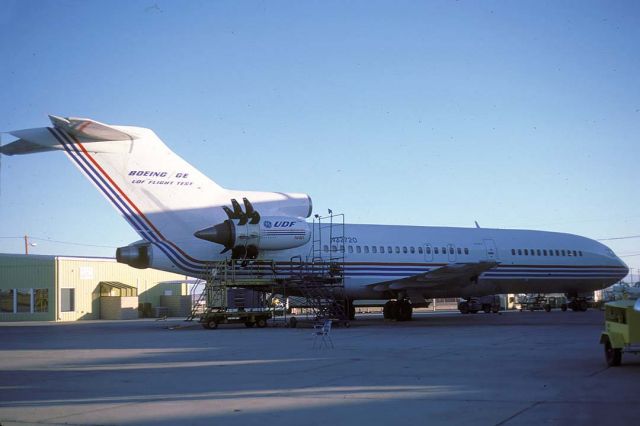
[270,233]
[137,255]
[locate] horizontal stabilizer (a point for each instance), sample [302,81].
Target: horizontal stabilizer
[31,141]
[90,129]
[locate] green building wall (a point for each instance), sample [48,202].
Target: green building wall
[81,277]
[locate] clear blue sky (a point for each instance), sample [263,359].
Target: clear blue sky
[517,114]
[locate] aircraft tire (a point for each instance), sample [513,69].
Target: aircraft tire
[403,310]
[389,309]
[613,356]
[352,310]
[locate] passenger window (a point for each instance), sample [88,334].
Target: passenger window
[451,250]
[397,249]
[428,250]
[533,252]
[366,249]
[350,249]
[539,252]
[334,248]
[575,253]
[459,250]
[326,248]
[435,250]
[358,249]
[519,252]
[563,253]
[374,249]
[550,252]
[466,250]
[580,253]
[389,250]
[526,252]
[381,249]
[444,250]
[412,250]
[404,250]
[420,250]
[513,252]
[557,252]
[544,252]
[341,249]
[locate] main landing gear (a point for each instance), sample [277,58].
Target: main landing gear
[399,310]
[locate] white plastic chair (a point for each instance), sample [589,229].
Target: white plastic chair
[322,334]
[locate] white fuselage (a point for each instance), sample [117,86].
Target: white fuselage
[528,261]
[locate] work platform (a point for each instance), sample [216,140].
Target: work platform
[318,280]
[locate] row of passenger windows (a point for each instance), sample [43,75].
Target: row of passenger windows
[544,252]
[398,249]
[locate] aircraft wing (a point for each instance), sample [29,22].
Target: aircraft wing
[452,274]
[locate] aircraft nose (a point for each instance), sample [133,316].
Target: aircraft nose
[624,269]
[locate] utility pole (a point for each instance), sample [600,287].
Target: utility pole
[26,244]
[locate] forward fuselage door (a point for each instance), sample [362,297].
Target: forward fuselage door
[491,249]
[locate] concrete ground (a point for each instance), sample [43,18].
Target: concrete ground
[486,369]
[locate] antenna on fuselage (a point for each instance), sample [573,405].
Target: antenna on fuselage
[476,222]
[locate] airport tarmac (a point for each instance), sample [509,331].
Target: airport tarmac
[486,369]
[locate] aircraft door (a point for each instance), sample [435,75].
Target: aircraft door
[451,250]
[492,250]
[428,252]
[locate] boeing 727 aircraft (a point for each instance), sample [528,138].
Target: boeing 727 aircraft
[186,221]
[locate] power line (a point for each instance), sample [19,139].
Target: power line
[49,240]
[628,237]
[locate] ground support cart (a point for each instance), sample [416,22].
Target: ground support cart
[622,331]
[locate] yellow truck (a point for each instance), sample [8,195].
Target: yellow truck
[622,331]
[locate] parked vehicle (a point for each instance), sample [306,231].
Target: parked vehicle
[474,305]
[622,331]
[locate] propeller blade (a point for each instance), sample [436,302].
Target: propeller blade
[251,212]
[228,211]
[238,213]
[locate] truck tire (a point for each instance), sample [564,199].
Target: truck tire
[495,309]
[612,355]
[261,323]
[463,308]
[249,324]
[211,324]
[293,322]
[583,306]
[547,307]
[486,309]
[563,307]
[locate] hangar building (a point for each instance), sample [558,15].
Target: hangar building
[58,288]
